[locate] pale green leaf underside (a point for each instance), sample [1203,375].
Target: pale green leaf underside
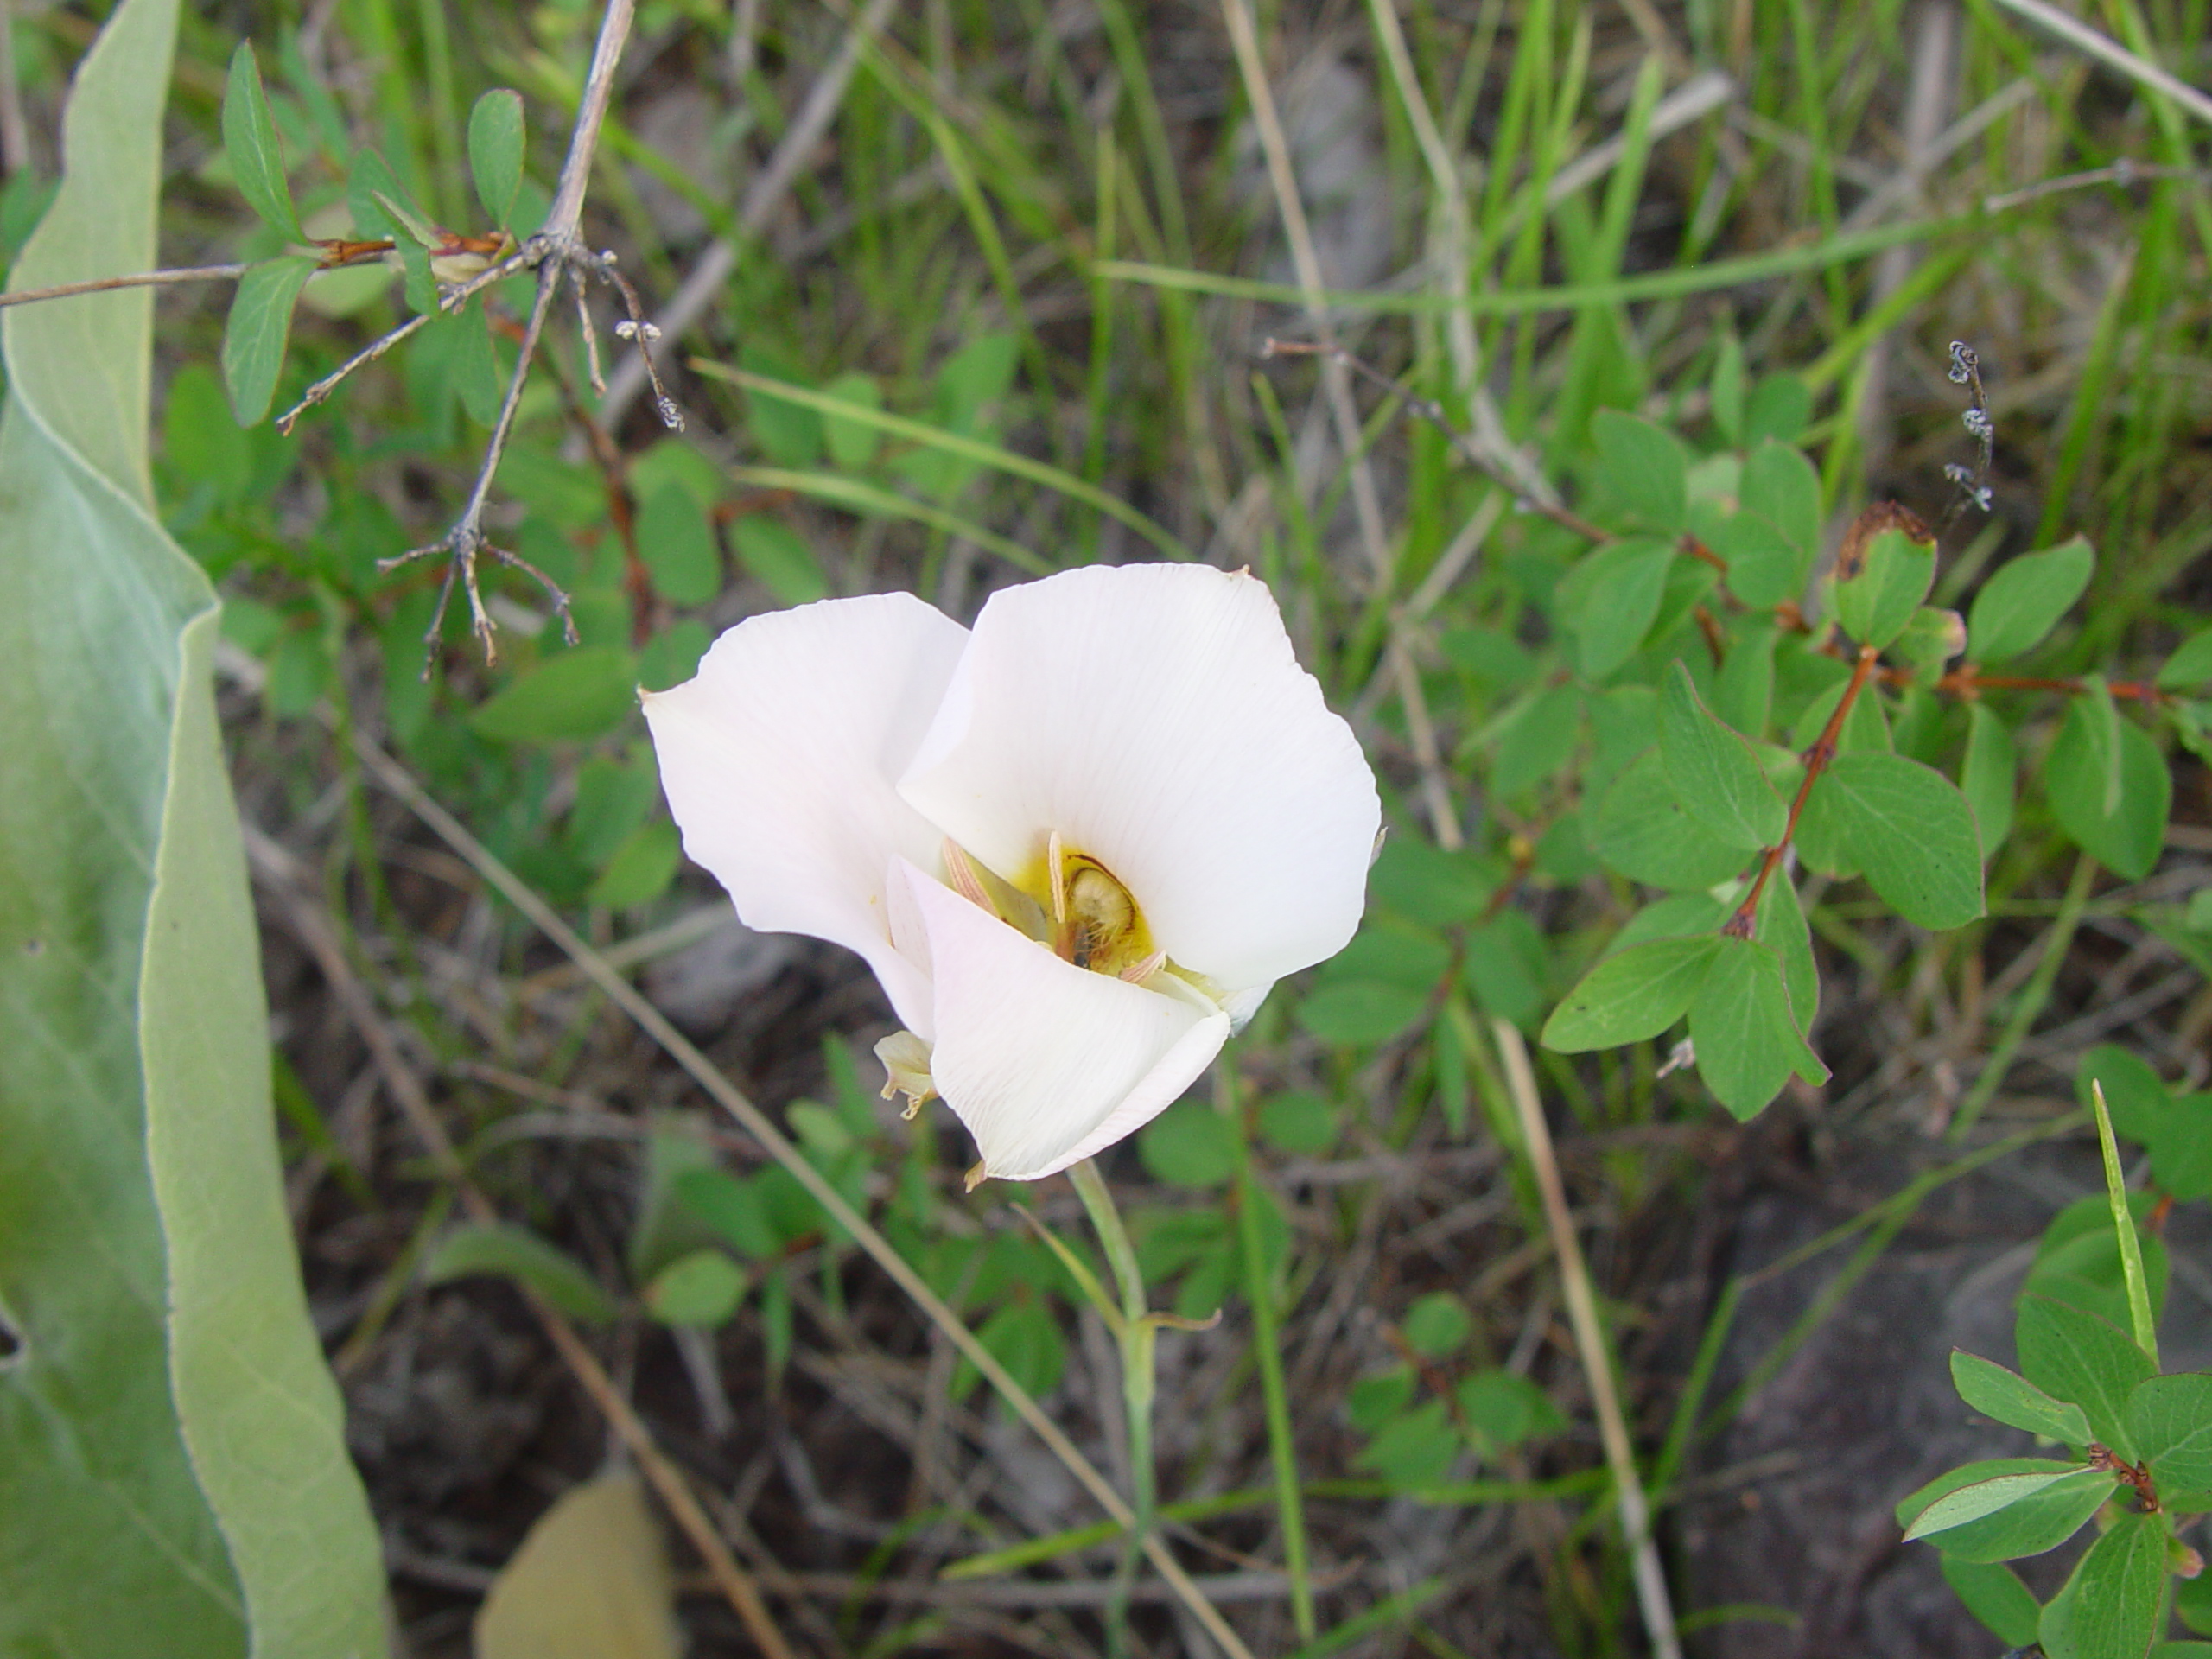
[144,1252]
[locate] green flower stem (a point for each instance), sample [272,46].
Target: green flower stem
[1137,1332]
[2123,1221]
[1282,1446]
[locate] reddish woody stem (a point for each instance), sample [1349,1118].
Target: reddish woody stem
[1740,925]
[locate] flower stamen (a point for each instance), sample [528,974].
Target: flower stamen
[960,875]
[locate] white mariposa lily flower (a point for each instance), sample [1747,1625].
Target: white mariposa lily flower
[1077,845]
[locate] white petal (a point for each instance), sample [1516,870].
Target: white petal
[1156,716]
[1044,1062]
[779,759]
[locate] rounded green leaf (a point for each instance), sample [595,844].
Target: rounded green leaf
[1989,778]
[2077,778]
[1908,829]
[1642,831]
[1712,771]
[702,1288]
[495,151]
[853,443]
[1300,1124]
[259,328]
[1642,467]
[1976,1499]
[2010,1398]
[1875,599]
[1635,995]
[779,560]
[1359,1013]
[1437,1325]
[2170,1419]
[1747,1044]
[678,546]
[2022,601]
[1189,1144]
[1614,596]
[2109,1607]
[578,694]
[514,1253]
[2190,665]
[2073,1355]
[250,141]
[1994,1594]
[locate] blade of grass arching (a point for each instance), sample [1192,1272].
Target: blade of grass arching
[952,443]
[1099,382]
[1603,331]
[985,228]
[1812,125]
[1674,284]
[397,779]
[1552,128]
[1259,1294]
[2091,394]
[845,491]
[2149,417]
[1932,274]
[2123,1222]
[1474,1494]
[448,187]
[1677,1446]
[2032,997]
[1152,130]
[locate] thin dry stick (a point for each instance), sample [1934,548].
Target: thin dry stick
[401,783]
[710,277]
[2105,49]
[275,868]
[1336,380]
[141,279]
[1590,1341]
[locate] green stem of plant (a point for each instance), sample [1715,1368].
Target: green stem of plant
[1282,1445]
[2033,998]
[1137,1334]
[2123,1222]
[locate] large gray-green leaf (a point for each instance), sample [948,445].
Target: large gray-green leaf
[172,1471]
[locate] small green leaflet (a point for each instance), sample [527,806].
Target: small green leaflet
[250,140]
[1644,468]
[495,151]
[2169,1419]
[1747,1043]
[1894,575]
[2075,1356]
[1616,596]
[259,327]
[1907,828]
[678,546]
[2077,778]
[2023,599]
[1635,995]
[701,1289]
[776,557]
[508,1252]
[1971,1502]
[1781,498]
[1994,1594]
[582,693]
[1642,831]
[2191,665]
[2108,1608]
[1712,771]
[2010,1398]
[1989,776]
[2033,1522]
